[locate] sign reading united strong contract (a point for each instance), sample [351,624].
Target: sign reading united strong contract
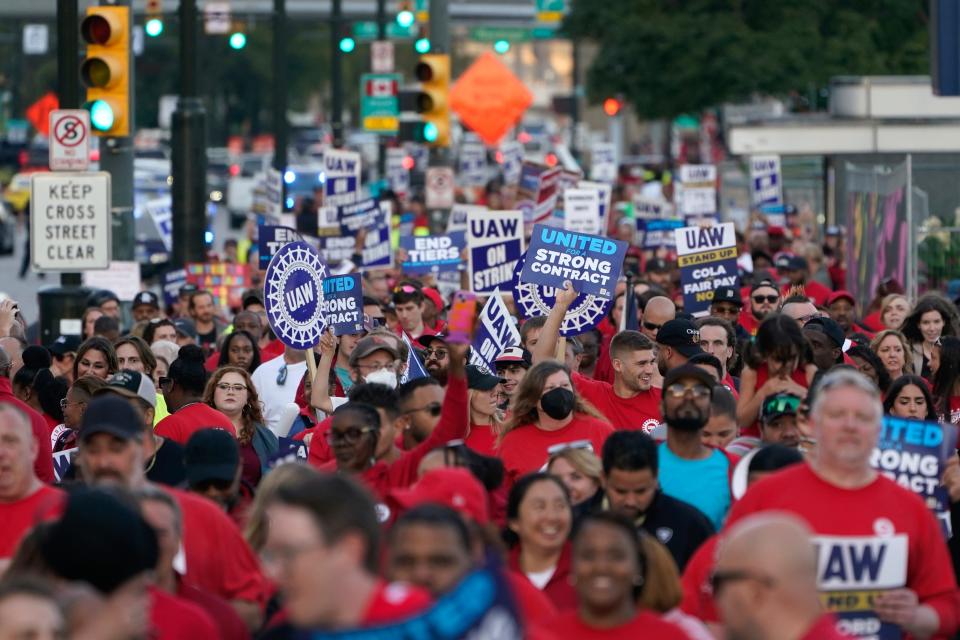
[293,295]
[592,263]
[534,300]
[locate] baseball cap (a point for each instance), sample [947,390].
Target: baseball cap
[682,335]
[689,371]
[100,296]
[131,384]
[434,296]
[426,340]
[480,380]
[829,327]
[109,414]
[796,263]
[727,294]
[764,282]
[369,345]
[774,230]
[188,289]
[453,487]
[64,345]
[656,265]
[842,294]
[148,298]
[211,454]
[779,404]
[833,231]
[251,296]
[186,327]
[518,355]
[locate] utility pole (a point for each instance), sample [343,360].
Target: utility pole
[189,160]
[440,43]
[336,74]
[575,103]
[280,94]
[68,78]
[381,142]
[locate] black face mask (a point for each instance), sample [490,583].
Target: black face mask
[557,403]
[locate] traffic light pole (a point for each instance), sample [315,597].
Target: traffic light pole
[280,93]
[336,74]
[381,141]
[68,82]
[189,160]
[440,43]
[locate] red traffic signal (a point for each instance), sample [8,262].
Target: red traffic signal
[611,106]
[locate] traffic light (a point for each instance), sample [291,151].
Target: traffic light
[106,69]
[422,45]
[238,40]
[154,24]
[430,101]
[405,17]
[347,44]
[611,106]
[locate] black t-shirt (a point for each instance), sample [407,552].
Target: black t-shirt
[167,465]
[208,341]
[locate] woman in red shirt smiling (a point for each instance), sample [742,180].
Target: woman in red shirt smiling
[546,412]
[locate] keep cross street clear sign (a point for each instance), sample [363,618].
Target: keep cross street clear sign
[70,221]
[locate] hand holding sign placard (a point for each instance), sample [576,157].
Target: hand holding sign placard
[534,300]
[592,263]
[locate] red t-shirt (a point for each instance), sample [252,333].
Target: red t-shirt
[641,412]
[558,589]
[392,601]
[875,538]
[482,439]
[524,449]
[172,618]
[46,503]
[193,417]
[43,465]
[697,597]
[729,384]
[274,349]
[218,558]
[644,625]
[747,320]
[228,622]
[535,607]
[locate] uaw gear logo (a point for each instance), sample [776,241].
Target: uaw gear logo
[293,295]
[534,300]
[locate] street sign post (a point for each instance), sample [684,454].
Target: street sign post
[216,18]
[36,39]
[381,56]
[70,225]
[69,140]
[379,105]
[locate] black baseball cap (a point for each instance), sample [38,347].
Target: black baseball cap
[426,340]
[689,371]
[480,380]
[657,265]
[779,404]
[111,414]
[211,454]
[188,289]
[64,345]
[186,327]
[148,298]
[727,294]
[828,326]
[682,335]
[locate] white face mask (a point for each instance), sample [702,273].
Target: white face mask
[382,376]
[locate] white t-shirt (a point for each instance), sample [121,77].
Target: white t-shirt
[275,397]
[540,578]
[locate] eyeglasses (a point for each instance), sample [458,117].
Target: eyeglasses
[64,403]
[438,354]
[282,375]
[390,366]
[719,579]
[650,326]
[584,445]
[679,390]
[434,409]
[726,309]
[236,388]
[350,436]
[768,299]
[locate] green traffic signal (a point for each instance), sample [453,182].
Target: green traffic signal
[347,44]
[154,27]
[430,132]
[405,19]
[238,40]
[101,115]
[422,45]
[501,46]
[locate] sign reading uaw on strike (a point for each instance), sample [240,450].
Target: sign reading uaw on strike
[592,263]
[495,240]
[707,257]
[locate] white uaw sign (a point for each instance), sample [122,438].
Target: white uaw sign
[70,221]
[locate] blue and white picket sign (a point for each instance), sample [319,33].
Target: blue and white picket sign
[343,303]
[766,181]
[432,254]
[707,257]
[293,295]
[342,177]
[495,242]
[270,238]
[593,263]
[496,330]
[534,300]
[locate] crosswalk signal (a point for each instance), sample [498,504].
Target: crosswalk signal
[105,70]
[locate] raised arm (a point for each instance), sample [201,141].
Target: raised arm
[320,390]
[550,334]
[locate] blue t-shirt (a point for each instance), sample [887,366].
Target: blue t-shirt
[704,484]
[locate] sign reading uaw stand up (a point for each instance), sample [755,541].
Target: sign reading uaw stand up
[293,295]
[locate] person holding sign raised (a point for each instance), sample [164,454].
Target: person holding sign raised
[631,402]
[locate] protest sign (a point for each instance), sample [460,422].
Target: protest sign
[603,162]
[377,252]
[766,187]
[161,211]
[226,282]
[357,215]
[270,239]
[289,450]
[398,176]
[122,277]
[914,454]
[495,243]
[460,213]
[472,167]
[534,300]
[430,254]
[480,607]
[511,158]
[581,211]
[293,295]
[593,263]
[659,233]
[537,192]
[604,192]
[343,303]
[342,173]
[62,461]
[414,368]
[496,330]
[697,191]
[707,257]
[776,214]
[172,281]
[337,249]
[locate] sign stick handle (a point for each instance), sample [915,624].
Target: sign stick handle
[311,365]
[561,348]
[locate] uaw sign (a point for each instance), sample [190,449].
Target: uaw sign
[707,257]
[534,300]
[293,295]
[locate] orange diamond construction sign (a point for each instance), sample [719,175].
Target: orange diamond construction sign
[489,98]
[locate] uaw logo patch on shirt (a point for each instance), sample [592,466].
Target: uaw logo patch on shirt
[852,571]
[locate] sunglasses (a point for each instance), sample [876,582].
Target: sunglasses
[719,579]
[650,326]
[782,404]
[726,309]
[439,354]
[584,445]
[405,288]
[350,436]
[768,299]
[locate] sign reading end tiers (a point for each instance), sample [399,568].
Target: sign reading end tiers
[70,221]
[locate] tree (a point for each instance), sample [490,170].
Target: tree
[668,57]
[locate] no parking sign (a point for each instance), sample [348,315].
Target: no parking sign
[293,295]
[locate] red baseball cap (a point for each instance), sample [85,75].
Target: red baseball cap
[434,297]
[453,487]
[840,295]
